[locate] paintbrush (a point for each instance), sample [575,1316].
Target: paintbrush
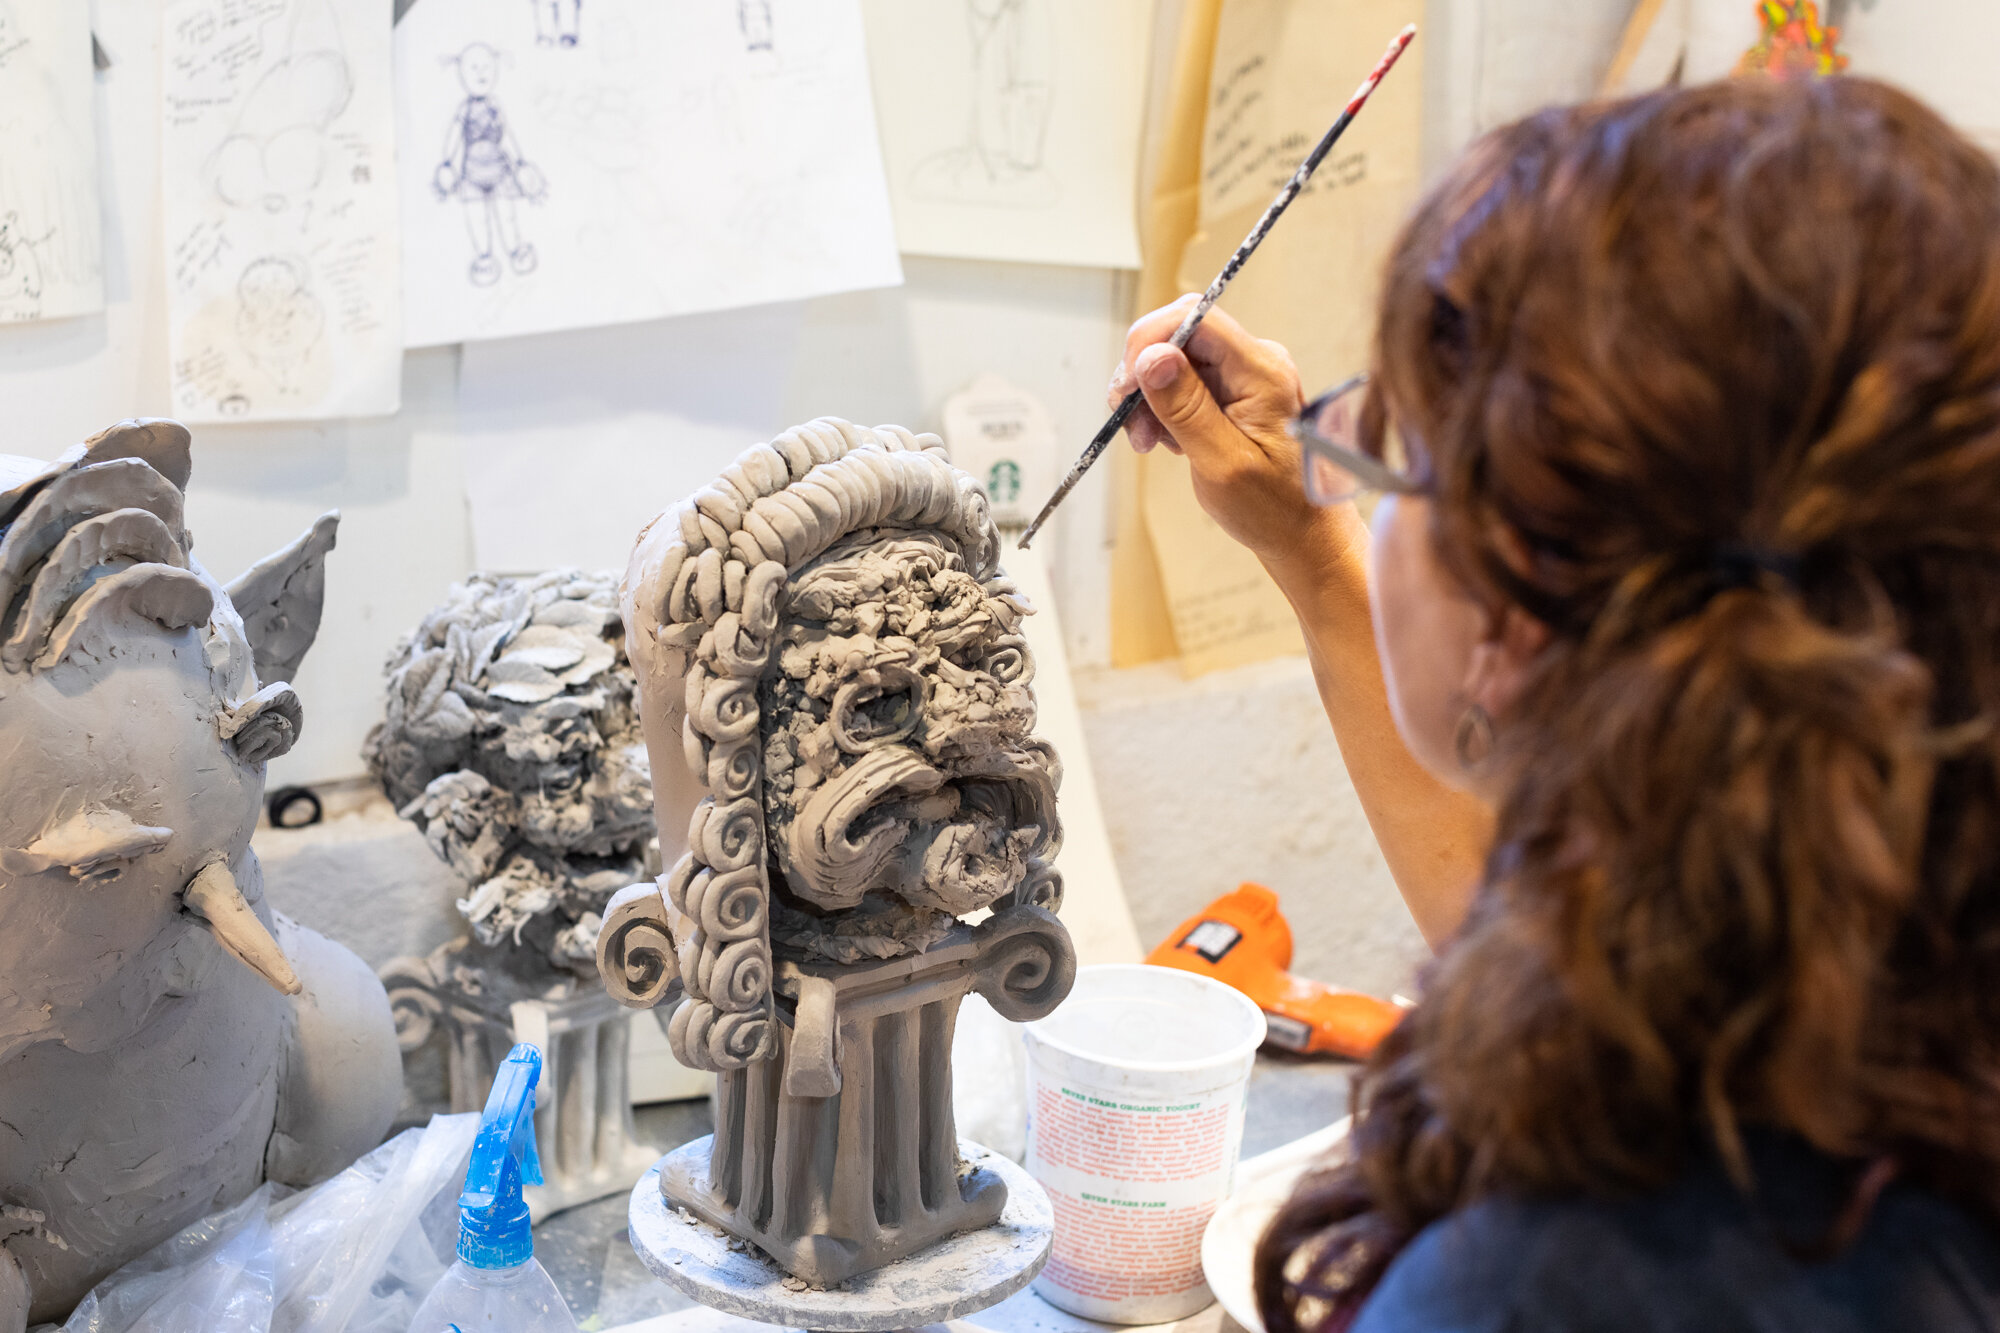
[1102,439]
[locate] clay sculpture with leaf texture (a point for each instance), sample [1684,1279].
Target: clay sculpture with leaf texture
[167,1042]
[826,645]
[510,739]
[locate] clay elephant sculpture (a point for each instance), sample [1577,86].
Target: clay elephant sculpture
[167,1043]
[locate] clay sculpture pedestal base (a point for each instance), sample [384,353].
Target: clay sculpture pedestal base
[956,1277]
[583,1117]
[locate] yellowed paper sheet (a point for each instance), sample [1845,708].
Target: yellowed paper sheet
[1141,629]
[1281,71]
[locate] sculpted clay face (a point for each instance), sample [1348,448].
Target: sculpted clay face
[168,1043]
[827,645]
[119,792]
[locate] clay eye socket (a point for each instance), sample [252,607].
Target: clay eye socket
[883,707]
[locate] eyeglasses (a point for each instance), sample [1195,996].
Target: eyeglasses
[1331,431]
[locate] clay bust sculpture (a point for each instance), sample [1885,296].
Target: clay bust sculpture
[510,739]
[166,1042]
[826,644]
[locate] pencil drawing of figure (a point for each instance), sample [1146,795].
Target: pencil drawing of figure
[1000,159]
[51,252]
[278,153]
[556,21]
[278,319]
[20,267]
[484,170]
[753,17]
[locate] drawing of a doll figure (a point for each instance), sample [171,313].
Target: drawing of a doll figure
[556,21]
[483,168]
[754,18]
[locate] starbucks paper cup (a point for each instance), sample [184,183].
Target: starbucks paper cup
[1136,1087]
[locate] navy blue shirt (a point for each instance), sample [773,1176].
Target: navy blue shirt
[1699,1257]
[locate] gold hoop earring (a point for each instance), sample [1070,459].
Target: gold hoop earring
[1473,741]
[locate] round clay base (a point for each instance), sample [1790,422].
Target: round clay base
[951,1279]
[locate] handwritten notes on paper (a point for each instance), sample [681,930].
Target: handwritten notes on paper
[568,165]
[1011,128]
[51,235]
[278,168]
[1282,70]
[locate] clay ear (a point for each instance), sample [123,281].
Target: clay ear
[280,599]
[121,537]
[160,441]
[68,497]
[265,725]
[161,595]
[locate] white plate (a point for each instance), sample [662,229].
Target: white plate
[1262,1183]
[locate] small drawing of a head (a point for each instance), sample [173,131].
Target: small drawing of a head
[478,68]
[275,305]
[270,282]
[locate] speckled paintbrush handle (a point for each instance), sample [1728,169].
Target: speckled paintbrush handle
[1102,440]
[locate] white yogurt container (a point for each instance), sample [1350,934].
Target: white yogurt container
[1136,1088]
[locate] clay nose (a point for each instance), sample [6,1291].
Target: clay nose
[213,897]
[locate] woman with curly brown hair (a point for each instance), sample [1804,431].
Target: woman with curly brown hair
[1687,412]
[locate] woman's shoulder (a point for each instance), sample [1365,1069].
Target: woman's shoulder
[1697,1256]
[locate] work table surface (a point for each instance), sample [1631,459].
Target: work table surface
[588,1254]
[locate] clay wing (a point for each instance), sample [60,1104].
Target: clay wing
[280,598]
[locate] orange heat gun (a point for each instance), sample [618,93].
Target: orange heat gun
[1242,940]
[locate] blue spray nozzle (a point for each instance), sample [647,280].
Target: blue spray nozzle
[493,1223]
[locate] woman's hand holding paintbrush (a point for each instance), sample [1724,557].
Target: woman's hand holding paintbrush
[1192,319]
[1225,401]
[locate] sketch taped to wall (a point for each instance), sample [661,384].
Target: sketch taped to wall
[1011,128]
[277,153]
[483,170]
[753,18]
[557,22]
[677,158]
[278,318]
[1010,85]
[51,233]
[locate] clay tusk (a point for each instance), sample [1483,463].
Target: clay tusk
[213,896]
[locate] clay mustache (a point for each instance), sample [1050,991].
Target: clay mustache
[955,837]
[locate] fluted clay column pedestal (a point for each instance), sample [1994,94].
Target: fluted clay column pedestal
[835,1193]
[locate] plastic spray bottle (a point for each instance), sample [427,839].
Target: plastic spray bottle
[497,1286]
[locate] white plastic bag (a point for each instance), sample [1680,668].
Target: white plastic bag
[989,1080]
[354,1254]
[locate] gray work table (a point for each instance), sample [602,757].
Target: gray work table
[588,1255]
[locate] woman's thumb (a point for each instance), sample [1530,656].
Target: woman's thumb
[1176,394]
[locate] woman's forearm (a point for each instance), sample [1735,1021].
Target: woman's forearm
[1225,401]
[1434,838]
